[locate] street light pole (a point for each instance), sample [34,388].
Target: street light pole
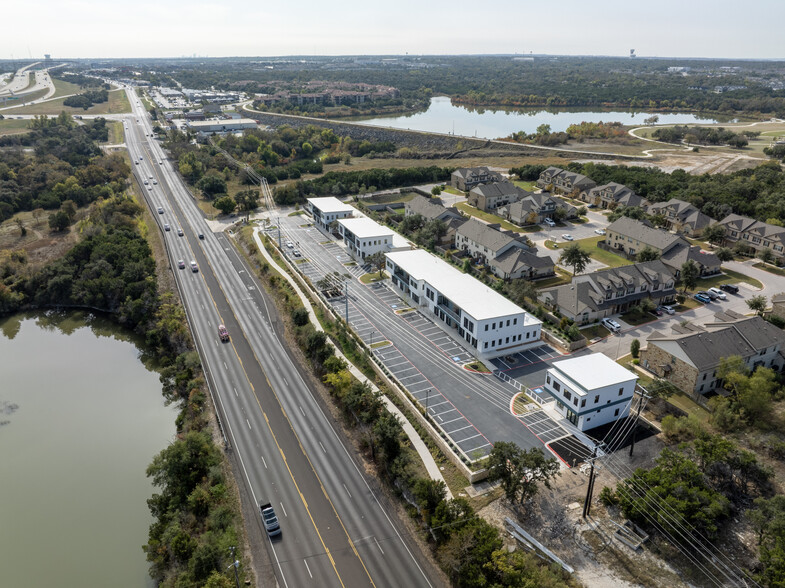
[427,400]
[235,565]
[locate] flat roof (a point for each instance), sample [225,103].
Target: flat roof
[365,228]
[474,297]
[330,204]
[593,371]
[222,122]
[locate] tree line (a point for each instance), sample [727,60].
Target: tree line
[87,99]
[704,136]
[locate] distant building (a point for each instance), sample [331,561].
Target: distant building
[591,390]
[328,209]
[565,182]
[755,234]
[207,127]
[612,195]
[681,216]
[489,197]
[488,323]
[467,178]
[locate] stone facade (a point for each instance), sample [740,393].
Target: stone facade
[678,372]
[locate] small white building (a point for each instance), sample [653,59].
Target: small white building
[364,237]
[590,390]
[207,127]
[328,209]
[490,324]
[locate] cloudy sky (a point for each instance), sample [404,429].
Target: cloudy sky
[174,28]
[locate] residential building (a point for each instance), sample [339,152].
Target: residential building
[520,263]
[778,305]
[430,209]
[689,358]
[328,209]
[467,178]
[612,195]
[755,234]
[681,217]
[565,182]
[489,197]
[363,237]
[487,323]
[591,297]
[590,390]
[630,237]
[486,242]
[535,208]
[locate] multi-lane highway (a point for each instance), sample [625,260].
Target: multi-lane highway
[336,531]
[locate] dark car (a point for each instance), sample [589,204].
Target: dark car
[709,293]
[730,288]
[201,235]
[701,298]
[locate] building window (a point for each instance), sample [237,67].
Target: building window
[486,345]
[493,326]
[548,379]
[508,322]
[596,399]
[556,385]
[567,394]
[621,391]
[507,340]
[575,401]
[704,376]
[616,412]
[486,327]
[583,402]
[515,321]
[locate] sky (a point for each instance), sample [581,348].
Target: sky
[175,28]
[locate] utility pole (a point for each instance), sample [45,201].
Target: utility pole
[278,222]
[235,565]
[635,426]
[590,488]
[346,301]
[427,400]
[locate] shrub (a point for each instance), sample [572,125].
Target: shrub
[300,316]
[608,497]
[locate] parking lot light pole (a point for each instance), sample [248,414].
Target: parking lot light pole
[427,400]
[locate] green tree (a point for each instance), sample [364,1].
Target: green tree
[429,494]
[225,204]
[635,348]
[766,255]
[520,471]
[247,202]
[757,303]
[59,221]
[724,254]
[377,261]
[211,185]
[467,265]
[689,275]
[648,254]
[436,190]
[714,234]
[575,257]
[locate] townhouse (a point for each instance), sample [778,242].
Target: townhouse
[755,234]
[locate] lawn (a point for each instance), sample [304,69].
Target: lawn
[116,135]
[528,186]
[63,88]
[12,126]
[689,406]
[117,103]
[610,259]
[372,277]
[488,217]
[560,279]
[638,316]
[769,268]
[595,331]
[389,198]
[451,190]
[727,277]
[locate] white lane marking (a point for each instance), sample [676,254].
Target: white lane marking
[322,446]
[235,391]
[285,382]
[347,490]
[301,410]
[249,423]
[379,546]
[226,366]
[309,569]
[283,509]
[264,462]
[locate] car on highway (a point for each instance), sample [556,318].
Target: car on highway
[611,325]
[194,267]
[599,231]
[730,288]
[567,237]
[549,222]
[223,333]
[702,298]
[181,264]
[145,182]
[160,162]
[141,158]
[167,227]
[180,232]
[149,188]
[270,520]
[668,309]
[296,253]
[136,162]
[718,293]
[201,236]
[155,182]
[160,210]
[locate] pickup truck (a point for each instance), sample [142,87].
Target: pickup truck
[270,520]
[223,333]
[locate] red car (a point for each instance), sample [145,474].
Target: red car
[223,333]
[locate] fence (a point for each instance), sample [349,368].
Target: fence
[518,386]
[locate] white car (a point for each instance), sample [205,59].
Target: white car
[719,293]
[567,237]
[549,222]
[668,309]
[290,245]
[611,325]
[599,231]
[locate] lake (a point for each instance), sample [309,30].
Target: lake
[81,417]
[444,117]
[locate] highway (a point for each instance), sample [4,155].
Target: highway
[336,531]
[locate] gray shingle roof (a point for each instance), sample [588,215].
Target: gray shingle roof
[513,260]
[484,235]
[429,209]
[645,233]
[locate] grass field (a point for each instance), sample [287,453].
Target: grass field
[610,259]
[63,88]
[727,277]
[492,218]
[13,127]
[116,135]
[528,186]
[117,103]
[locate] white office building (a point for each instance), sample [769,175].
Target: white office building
[490,324]
[328,209]
[364,237]
[590,390]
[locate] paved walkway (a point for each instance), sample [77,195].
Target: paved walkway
[419,445]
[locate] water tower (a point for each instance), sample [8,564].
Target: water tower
[632,53]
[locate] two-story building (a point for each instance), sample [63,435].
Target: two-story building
[486,242]
[629,236]
[612,195]
[467,178]
[431,209]
[689,357]
[591,297]
[363,237]
[590,390]
[328,209]
[754,234]
[565,182]
[534,208]
[681,216]
[486,322]
[489,197]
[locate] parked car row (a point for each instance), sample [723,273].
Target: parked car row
[706,296]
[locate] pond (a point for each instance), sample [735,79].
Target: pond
[81,417]
[444,117]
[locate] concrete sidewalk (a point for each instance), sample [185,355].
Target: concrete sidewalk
[417,443]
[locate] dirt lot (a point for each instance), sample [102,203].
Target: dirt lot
[40,244]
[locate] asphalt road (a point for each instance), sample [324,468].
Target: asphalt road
[336,531]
